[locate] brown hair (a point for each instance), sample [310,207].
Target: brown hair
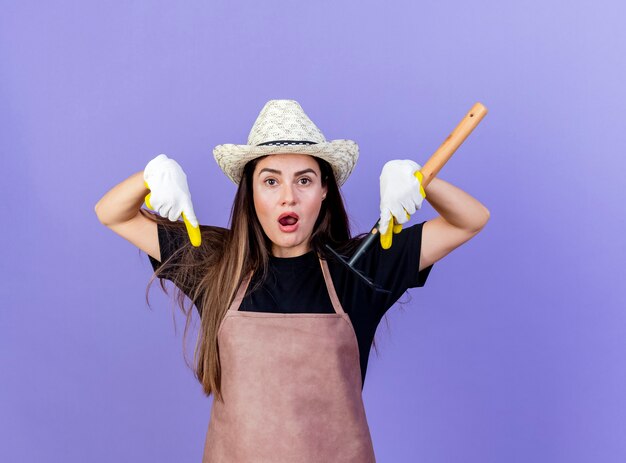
[211,273]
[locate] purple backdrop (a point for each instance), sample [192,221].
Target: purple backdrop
[514,349]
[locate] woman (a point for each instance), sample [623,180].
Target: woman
[285,329]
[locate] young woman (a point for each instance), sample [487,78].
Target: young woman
[285,329]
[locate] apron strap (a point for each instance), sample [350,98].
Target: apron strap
[330,287]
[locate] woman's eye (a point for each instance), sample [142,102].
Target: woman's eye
[306,180]
[270,180]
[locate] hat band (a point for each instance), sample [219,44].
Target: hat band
[287,142]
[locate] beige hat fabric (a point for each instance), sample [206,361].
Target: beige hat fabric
[283,127]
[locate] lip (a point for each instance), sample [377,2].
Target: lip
[288,228]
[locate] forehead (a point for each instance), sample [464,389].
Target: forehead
[288,162]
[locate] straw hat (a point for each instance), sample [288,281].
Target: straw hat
[283,127]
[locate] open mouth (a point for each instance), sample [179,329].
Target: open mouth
[288,221]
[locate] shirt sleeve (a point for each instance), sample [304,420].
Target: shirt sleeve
[170,240]
[413,246]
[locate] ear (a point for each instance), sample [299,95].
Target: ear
[324,192]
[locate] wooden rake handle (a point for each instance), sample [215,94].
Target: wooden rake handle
[452,143]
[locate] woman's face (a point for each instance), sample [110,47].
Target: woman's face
[288,193]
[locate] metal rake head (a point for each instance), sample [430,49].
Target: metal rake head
[349,263]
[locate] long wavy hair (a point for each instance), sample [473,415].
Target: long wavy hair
[210,274]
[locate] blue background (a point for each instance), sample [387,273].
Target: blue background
[514,349]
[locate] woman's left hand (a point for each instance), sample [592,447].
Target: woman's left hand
[401,194]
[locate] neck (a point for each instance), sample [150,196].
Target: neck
[279,251]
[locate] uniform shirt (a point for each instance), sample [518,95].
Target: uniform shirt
[296,284]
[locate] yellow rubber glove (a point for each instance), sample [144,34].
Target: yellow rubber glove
[392,225]
[173,198]
[194,232]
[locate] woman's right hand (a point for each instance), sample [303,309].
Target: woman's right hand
[169,193]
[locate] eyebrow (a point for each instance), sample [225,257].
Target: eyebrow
[274,171]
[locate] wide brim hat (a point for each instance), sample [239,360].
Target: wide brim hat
[283,127]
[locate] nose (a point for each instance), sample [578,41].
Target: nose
[287,195]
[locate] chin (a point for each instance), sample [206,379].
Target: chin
[289,242]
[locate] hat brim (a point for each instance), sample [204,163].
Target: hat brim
[340,154]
